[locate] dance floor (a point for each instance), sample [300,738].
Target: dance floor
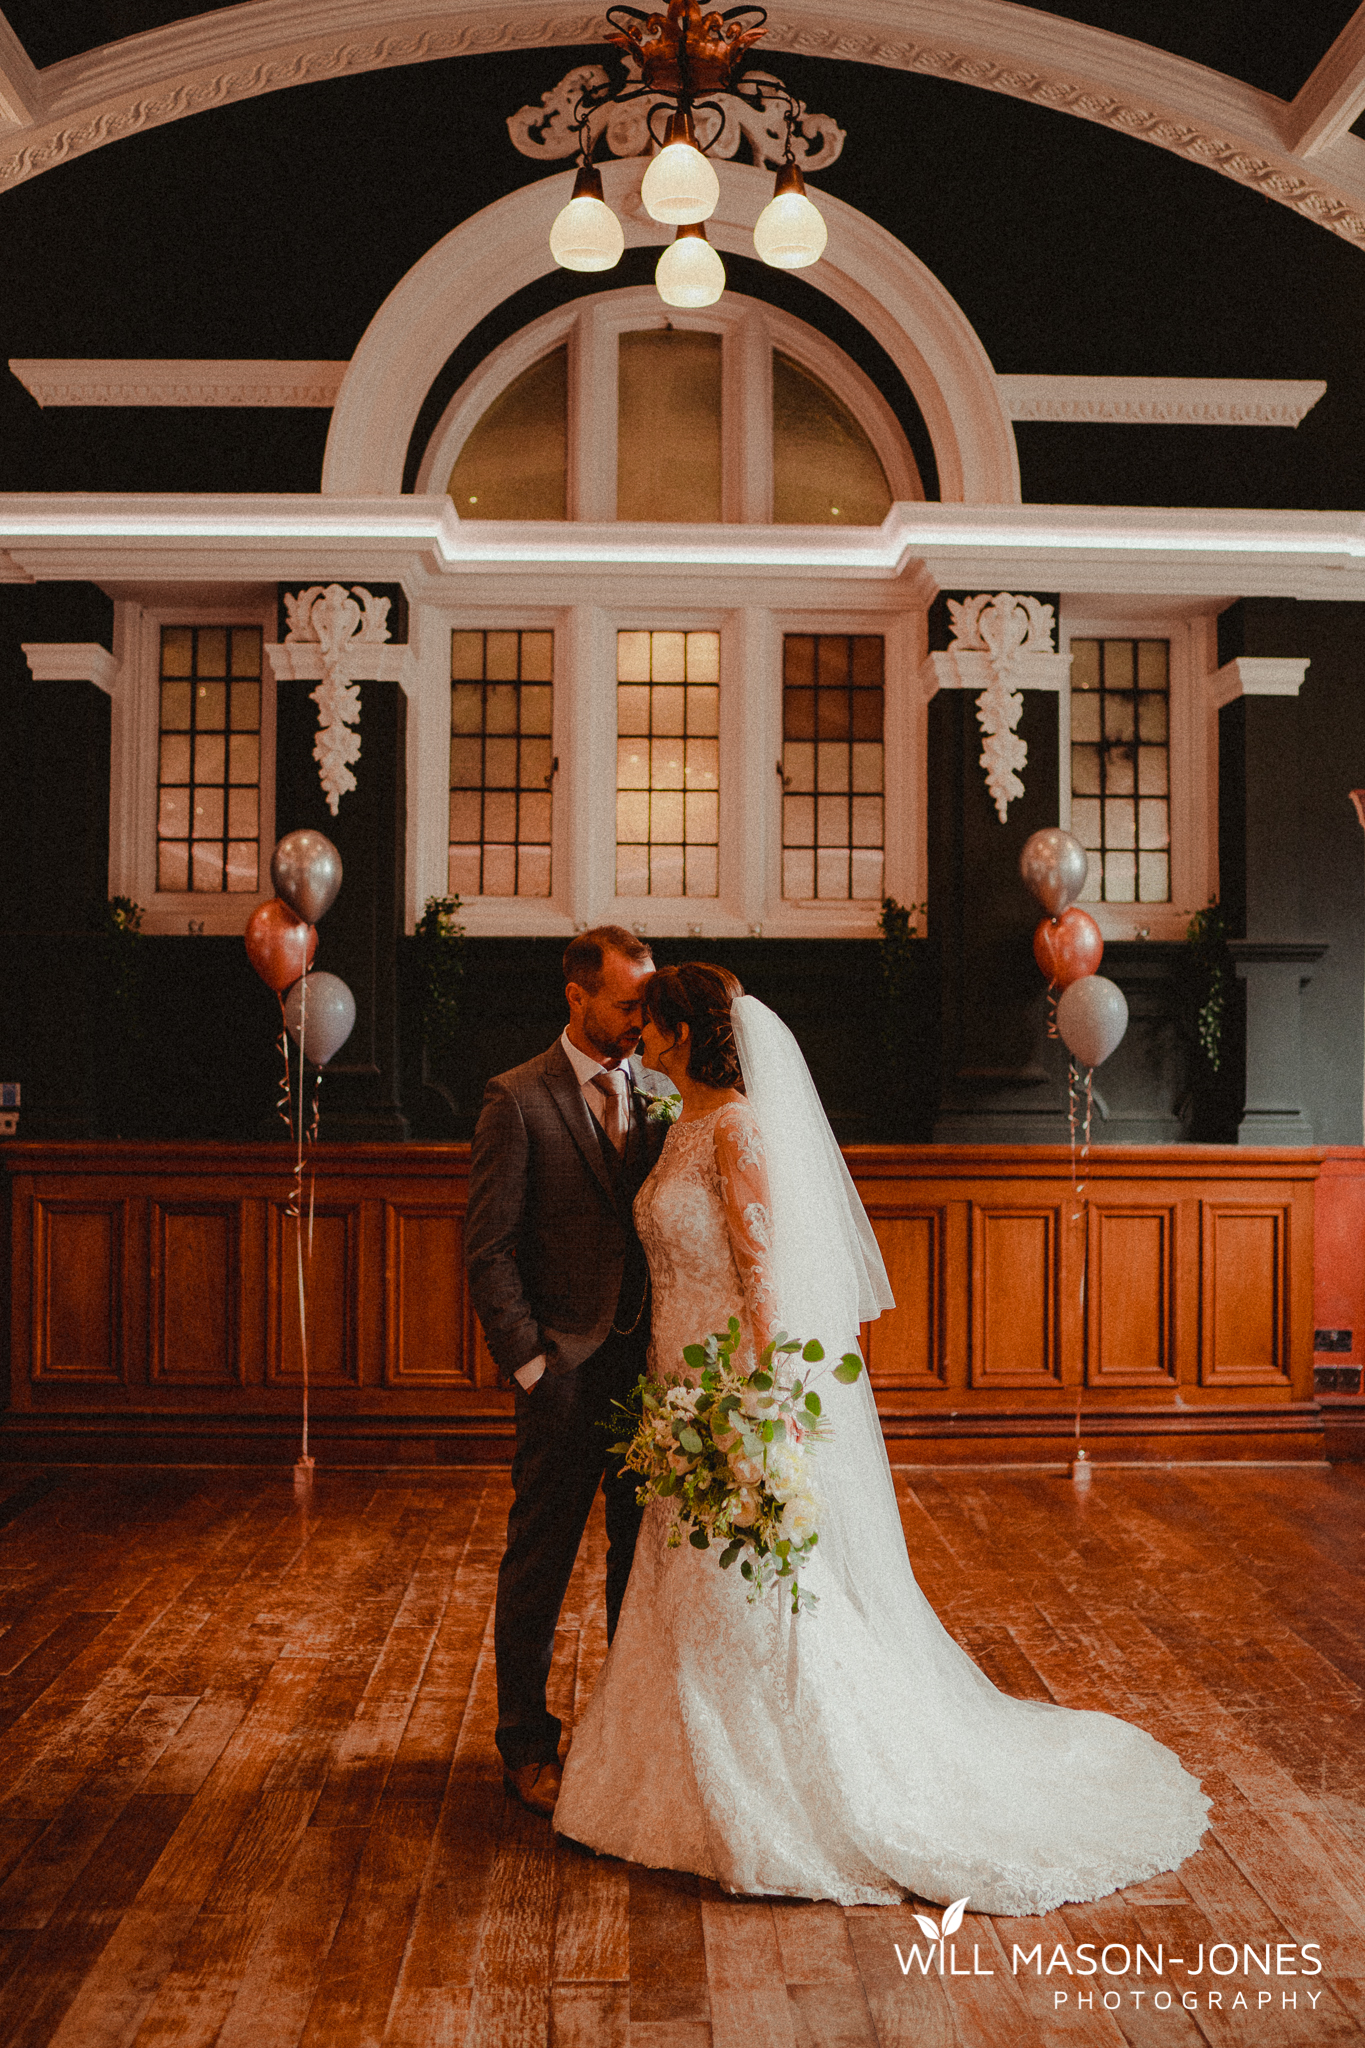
[249,1795]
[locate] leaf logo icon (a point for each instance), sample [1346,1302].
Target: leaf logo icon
[952,1920]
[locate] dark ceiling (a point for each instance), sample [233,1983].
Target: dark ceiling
[276,227]
[1266,42]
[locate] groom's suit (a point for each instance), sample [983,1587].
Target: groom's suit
[556,1270]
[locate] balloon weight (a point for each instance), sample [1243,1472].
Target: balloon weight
[279,945]
[1068,947]
[329,1018]
[1054,867]
[306,870]
[1092,1017]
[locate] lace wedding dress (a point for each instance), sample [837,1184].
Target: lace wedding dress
[855,1752]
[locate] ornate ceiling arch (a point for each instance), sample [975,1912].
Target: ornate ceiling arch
[481,263]
[1298,155]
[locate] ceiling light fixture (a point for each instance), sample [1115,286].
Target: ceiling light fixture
[678,60]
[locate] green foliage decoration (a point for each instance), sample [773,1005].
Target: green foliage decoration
[440,964]
[1207,937]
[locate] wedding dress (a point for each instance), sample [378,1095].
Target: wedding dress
[854,1752]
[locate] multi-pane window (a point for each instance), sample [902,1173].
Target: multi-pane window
[501,763]
[209,774]
[832,765]
[1120,767]
[667,764]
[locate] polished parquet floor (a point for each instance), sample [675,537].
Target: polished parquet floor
[249,1796]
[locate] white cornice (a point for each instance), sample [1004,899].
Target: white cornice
[1162,401]
[265,46]
[1096,549]
[1258,675]
[100,380]
[71,661]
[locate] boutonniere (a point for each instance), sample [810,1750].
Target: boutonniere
[659,1109]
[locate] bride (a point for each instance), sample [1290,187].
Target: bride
[855,1752]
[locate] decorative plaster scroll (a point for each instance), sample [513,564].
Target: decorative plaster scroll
[549,130]
[1001,646]
[238,53]
[71,661]
[152,381]
[1163,401]
[326,617]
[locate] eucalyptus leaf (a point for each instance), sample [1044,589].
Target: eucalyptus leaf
[690,1441]
[848,1370]
[694,1356]
[761,1380]
[813,1404]
[699,1540]
[813,1352]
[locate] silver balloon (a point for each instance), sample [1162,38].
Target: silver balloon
[306,870]
[1054,867]
[1092,1016]
[327,1021]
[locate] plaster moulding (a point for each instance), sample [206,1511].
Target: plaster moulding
[153,381]
[240,52]
[1105,550]
[1162,401]
[1258,675]
[71,661]
[1001,646]
[336,635]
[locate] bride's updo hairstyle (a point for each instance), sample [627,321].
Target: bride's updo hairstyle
[699,996]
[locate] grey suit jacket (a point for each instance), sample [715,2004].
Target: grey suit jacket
[547,1234]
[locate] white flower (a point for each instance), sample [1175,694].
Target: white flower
[799,1519]
[680,1400]
[786,1471]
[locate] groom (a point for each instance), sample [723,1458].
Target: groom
[560,1285]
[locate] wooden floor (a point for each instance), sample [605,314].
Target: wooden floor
[249,1795]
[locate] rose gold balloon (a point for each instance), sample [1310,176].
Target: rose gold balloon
[279,945]
[1069,947]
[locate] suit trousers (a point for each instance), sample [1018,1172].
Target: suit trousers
[561,1458]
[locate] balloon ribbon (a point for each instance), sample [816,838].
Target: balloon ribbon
[1081,1211]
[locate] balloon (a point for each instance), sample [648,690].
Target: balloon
[1068,947]
[279,945]
[1092,1017]
[306,870]
[330,1019]
[1054,867]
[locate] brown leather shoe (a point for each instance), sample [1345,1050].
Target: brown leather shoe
[535,1785]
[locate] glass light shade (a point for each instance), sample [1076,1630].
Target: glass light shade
[587,236]
[680,187]
[790,233]
[690,273]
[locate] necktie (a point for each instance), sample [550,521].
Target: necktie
[616,1123]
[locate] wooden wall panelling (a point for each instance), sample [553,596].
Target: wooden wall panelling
[1016,1280]
[1244,1293]
[78,1267]
[332,1282]
[1131,1294]
[906,1348]
[426,1307]
[196,1292]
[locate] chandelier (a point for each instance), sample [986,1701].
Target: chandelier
[681,60]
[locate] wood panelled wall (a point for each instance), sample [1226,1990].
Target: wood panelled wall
[154,1290]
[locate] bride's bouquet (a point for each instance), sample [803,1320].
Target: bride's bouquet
[733,1453]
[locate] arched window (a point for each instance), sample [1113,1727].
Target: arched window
[610,409]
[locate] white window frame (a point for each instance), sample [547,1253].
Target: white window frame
[583,831]
[1193,796]
[136,750]
[749,329]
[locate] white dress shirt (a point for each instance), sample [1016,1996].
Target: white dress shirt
[587,1067]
